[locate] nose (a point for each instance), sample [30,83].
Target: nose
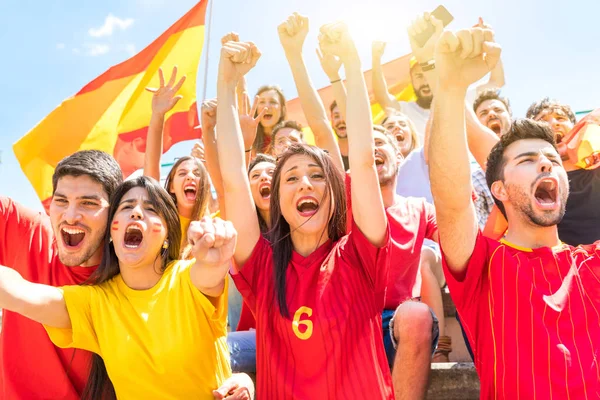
[136,213]
[72,214]
[264,176]
[306,184]
[545,165]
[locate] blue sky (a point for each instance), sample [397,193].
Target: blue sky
[52,49]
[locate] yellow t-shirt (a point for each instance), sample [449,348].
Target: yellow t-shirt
[185,224]
[167,342]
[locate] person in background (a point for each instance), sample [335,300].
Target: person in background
[493,111]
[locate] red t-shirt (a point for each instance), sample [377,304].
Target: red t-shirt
[411,221]
[330,347]
[533,319]
[31,366]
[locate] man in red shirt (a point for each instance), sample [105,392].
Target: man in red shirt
[529,303]
[31,366]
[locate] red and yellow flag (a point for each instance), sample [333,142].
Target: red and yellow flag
[112,112]
[397,75]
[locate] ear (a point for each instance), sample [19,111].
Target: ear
[499,191]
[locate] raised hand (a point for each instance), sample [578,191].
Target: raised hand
[425,53]
[334,39]
[249,123]
[230,37]
[377,50]
[164,99]
[237,387]
[292,32]
[464,57]
[198,151]
[237,58]
[330,64]
[213,241]
[208,115]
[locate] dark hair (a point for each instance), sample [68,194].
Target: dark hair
[279,234]
[264,227]
[547,103]
[96,164]
[260,131]
[491,94]
[202,194]
[521,129]
[388,136]
[332,106]
[286,124]
[98,385]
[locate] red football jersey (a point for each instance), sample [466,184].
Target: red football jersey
[411,221]
[533,319]
[330,347]
[31,366]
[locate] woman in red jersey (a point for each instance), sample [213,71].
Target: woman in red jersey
[317,295]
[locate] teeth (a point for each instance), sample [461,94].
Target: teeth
[131,228]
[73,231]
[130,246]
[307,201]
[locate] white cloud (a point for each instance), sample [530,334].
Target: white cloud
[60,46]
[96,49]
[110,23]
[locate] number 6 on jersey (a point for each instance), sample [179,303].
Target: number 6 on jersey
[306,322]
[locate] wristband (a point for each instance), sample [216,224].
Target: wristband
[249,150]
[428,66]
[337,80]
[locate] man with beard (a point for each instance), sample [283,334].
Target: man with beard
[493,111]
[581,223]
[526,301]
[61,249]
[410,327]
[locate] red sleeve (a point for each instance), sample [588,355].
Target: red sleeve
[375,261]
[431,221]
[247,278]
[22,230]
[465,289]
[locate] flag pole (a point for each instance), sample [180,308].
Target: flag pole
[207,48]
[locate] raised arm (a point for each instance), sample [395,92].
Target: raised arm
[481,139]
[213,242]
[236,60]
[367,205]
[380,89]
[292,33]
[41,303]
[331,65]
[496,80]
[163,100]
[461,59]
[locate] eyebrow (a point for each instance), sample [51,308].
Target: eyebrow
[536,153]
[86,197]
[133,201]
[295,166]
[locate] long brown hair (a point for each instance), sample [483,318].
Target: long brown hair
[202,195]
[259,142]
[264,227]
[279,235]
[98,385]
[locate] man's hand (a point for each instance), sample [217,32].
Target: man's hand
[208,115]
[213,241]
[237,58]
[335,40]
[164,99]
[425,53]
[464,57]
[198,151]
[292,33]
[230,37]
[377,50]
[238,387]
[249,123]
[330,64]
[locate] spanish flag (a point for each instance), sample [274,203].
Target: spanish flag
[112,112]
[395,72]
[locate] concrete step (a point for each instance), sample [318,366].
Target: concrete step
[453,381]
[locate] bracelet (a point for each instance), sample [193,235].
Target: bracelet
[428,66]
[249,150]
[337,80]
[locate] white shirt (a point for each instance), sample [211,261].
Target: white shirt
[418,116]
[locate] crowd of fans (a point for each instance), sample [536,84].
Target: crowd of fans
[337,252]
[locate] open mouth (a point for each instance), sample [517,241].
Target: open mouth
[558,137]
[400,137]
[341,128]
[495,126]
[546,193]
[189,192]
[265,191]
[267,116]
[133,236]
[379,162]
[307,206]
[425,90]
[72,237]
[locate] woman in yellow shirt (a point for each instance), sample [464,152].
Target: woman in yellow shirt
[156,325]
